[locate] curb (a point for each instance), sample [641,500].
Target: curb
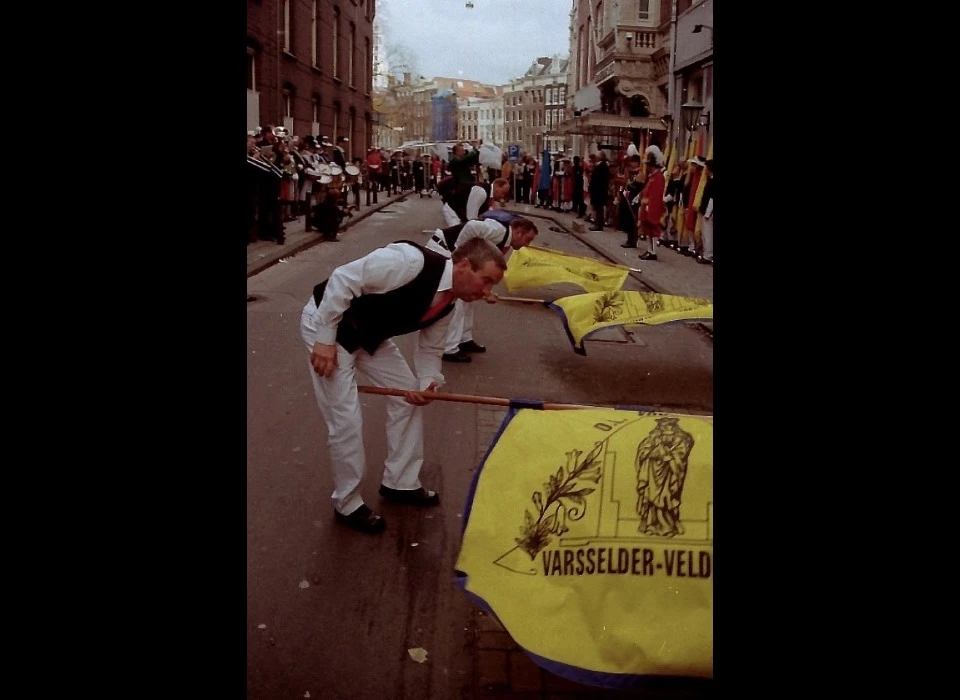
[271,260]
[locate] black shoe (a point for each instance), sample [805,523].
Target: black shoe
[416,497]
[627,245]
[703,261]
[648,256]
[362,520]
[458,356]
[472,346]
[595,228]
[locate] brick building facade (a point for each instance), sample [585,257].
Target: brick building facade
[310,68]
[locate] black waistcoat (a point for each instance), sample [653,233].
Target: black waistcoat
[372,318]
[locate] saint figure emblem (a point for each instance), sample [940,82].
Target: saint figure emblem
[661,466]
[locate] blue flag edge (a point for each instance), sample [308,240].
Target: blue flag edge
[619,681]
[566,327]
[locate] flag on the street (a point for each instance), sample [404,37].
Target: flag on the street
[538,267]
[589,535]
[584,314]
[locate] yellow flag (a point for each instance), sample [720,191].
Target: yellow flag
[671,161]
[589,535]
[700,187]
[538,267]
[584,314]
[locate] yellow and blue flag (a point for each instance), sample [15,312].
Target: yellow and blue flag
[589,535]
[531,267]
[584,314]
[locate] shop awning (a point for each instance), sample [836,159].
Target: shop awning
[597,123]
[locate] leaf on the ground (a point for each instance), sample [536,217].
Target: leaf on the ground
[304,584]
[419,654]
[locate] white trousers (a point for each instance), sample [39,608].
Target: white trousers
[707,230]
[339,403]
[450,217]
[461,327]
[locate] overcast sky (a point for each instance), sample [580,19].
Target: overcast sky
[493,42]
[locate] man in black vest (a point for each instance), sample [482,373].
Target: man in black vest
[462,203]
[348,325]
[517,233]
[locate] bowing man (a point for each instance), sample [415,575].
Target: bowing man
[516,233]
[348,325]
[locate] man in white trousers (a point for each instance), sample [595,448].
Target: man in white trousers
[348,325]
[516,234]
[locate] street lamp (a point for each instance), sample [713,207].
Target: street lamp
[697,28]
[691,115]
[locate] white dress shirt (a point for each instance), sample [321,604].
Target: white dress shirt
[477,197]
[489,229]
[384,270]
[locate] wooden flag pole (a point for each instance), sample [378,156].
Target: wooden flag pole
[523,300]
[467,398]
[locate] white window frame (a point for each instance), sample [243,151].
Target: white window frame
[286,26]
[252,60]
[644,14]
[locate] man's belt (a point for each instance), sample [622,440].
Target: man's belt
[436,238]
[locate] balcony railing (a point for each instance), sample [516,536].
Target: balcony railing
[645,40]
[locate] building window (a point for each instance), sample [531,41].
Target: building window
[336,120]
[287,102]
[353,51]
[368,62]
[315,110]
[336,42]
[589,49]
[287,27]
[644,9]
[314,39]
[251,69]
